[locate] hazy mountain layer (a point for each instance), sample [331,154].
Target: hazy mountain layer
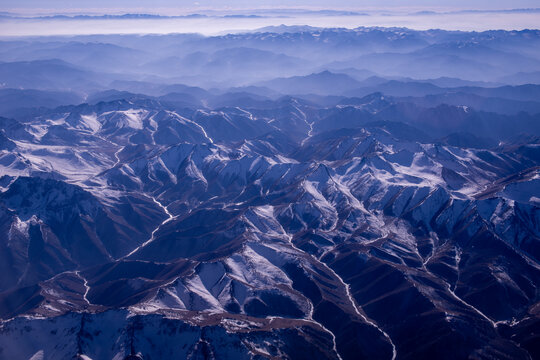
[88,63]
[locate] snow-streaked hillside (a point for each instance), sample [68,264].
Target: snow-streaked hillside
[292,230]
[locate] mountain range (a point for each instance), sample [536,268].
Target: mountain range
[305,213]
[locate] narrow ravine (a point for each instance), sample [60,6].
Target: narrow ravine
[309,124]
[152,236]
[355,307]
[86,287]
[347,291]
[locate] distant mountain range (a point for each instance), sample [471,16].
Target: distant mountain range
[501,57]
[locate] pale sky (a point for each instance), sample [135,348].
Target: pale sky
[386,13]
[151,6]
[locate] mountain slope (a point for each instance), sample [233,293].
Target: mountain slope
[257,240]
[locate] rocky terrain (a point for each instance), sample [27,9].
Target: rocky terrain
[264,231]
[306,217]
